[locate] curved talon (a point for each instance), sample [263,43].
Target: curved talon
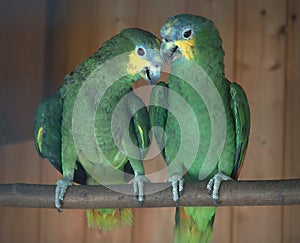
[213,186]
[138,188]
[60,190]
[177,187]
[180,186]
[210,186]
[216,202]
[141,203]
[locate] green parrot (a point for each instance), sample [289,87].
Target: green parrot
[201,121]
[94,129]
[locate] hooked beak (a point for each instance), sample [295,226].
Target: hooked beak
[152,73]
[169,50]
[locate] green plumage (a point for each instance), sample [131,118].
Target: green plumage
[197,75]
[78,130]
[47,134]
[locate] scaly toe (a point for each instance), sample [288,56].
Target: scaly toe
[213,186]
[177,187]
[138,188]
[60,190]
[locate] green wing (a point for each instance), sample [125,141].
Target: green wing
[241,111]
[47,124]
[158,115]
[140,119]
[139,128]
[47,134]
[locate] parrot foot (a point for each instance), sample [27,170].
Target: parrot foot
[60,190]
[138,187]
[177,187]
[214,184]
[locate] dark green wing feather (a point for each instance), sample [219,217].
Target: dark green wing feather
[240,108]
[47,125]
[140,121]
[47,134]
[158,114]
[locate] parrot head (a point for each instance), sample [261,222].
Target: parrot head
[189,36]
[144,56]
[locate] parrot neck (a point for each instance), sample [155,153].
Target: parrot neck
[212,62]
[124,85]
[130,79]
[209,55]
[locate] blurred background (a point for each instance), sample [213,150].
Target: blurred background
[42,40]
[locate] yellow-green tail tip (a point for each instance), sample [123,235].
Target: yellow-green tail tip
[108,219]
[194,224]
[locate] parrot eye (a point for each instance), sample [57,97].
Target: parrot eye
[187,33]
[141,51]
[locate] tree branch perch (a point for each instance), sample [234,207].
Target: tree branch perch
[237,193]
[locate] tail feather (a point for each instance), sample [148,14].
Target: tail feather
[194,224]
[107,219]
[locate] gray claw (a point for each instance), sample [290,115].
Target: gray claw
[210,186]
[141,203]
[180,187]
[209,192]
[138,188]
[60,190]
[214,184]
[216,202]
[176,203]
[177,186]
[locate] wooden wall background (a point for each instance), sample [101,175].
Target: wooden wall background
[42,40]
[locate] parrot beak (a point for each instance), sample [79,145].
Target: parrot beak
[169,50]
[151,73]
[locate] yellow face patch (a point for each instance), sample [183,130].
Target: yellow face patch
[186,47]
[39,138]
[136,63]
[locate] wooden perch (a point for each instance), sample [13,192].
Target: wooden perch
[235,193]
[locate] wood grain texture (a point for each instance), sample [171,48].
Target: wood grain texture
[261,71]
[22,36]
[291,215]
[22,223]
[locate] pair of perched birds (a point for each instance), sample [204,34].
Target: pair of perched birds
[94,129]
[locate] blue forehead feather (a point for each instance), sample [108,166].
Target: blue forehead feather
[174,26]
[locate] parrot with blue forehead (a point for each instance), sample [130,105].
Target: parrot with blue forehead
[193,46]
[94,129]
